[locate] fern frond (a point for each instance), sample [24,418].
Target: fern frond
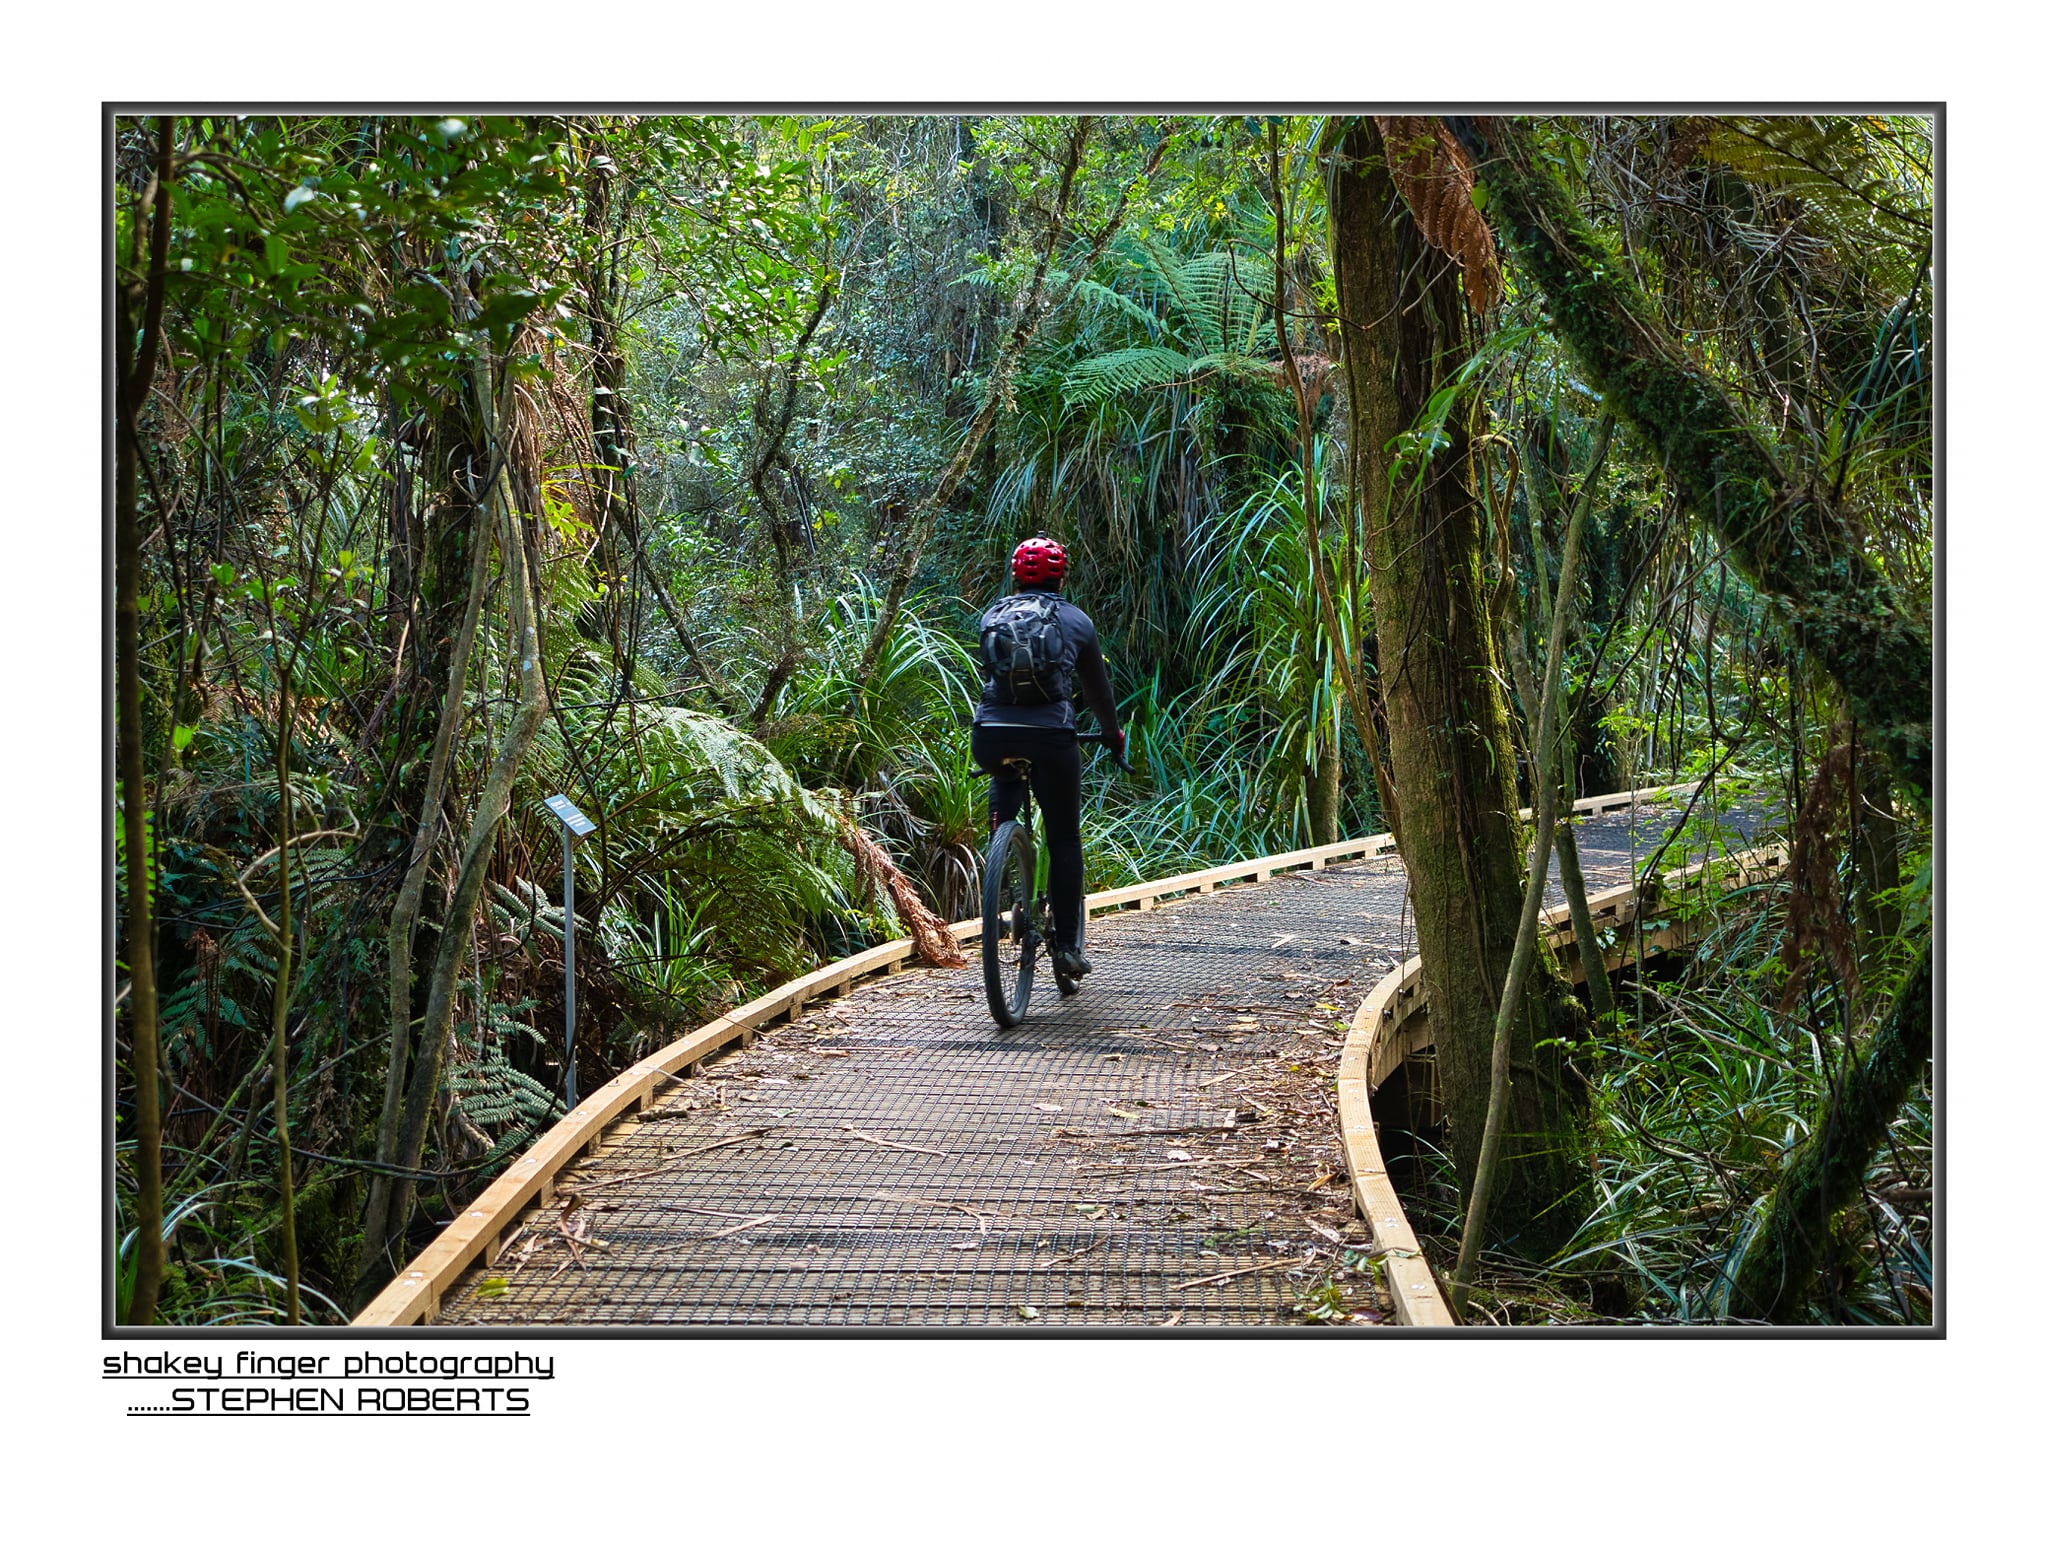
[1853,180]
[1111,300]
[1259,370]
[1163,272]
[1123,371]
[1232,286]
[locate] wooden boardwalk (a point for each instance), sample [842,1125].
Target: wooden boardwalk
[892,1158]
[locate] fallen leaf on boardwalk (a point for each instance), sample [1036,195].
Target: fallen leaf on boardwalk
[1125,1113]
[1295,995]
[1281,941]
[497,1285]
[1048,1107]
[1179,1156]
[1337,1237]
[782,1113]
[1028,1314]
[833,1054]
[1091,1211]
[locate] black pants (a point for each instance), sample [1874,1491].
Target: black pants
[1056,782]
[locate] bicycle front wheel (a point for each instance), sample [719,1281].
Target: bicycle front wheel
[1009,934]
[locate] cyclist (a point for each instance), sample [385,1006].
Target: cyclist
[1027,712]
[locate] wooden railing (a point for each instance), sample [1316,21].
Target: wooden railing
[485,1223]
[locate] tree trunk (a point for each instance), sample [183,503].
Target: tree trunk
[1783,530]
[1543,778]
[604,300]
[1571,876]
[1325,785]
[137,370]
[1825,1173]
[1312,514]
[281,991]
[1453,762]
[405,913]
[492,802]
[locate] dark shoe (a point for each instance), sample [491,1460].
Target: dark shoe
[1068,963]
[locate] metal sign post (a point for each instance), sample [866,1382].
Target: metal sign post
[574,825]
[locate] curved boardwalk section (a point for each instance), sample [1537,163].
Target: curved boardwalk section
[890,1157]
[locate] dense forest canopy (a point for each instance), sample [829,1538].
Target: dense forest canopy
[1414,470]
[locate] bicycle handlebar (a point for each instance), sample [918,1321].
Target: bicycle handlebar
[1096,736]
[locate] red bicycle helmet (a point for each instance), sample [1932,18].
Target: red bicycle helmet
[1037,561]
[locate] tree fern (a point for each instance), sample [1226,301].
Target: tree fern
[1863,182]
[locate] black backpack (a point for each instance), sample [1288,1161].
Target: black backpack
[1024,650]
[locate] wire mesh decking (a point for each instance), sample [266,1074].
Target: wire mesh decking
[893,1158]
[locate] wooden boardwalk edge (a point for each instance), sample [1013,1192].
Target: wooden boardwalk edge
[1392,1023]
[414,1295]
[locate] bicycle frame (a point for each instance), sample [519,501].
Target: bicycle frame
[1029,921]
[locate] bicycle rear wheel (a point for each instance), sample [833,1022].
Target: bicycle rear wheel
[1009,934]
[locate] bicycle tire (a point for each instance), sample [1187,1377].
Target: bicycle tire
[1009,934]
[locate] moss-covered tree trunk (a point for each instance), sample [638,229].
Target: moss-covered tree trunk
[1453,762]
[1782,528]
[1788,536]
[1825,1174]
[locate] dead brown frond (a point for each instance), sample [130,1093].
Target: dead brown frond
[1434,176]
[935,944]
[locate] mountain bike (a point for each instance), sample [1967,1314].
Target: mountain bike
[1016,908]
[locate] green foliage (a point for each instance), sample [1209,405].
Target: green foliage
[288,232]
[313,458]
[1698,1105]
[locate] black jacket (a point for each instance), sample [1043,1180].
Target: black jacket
[1081,668]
